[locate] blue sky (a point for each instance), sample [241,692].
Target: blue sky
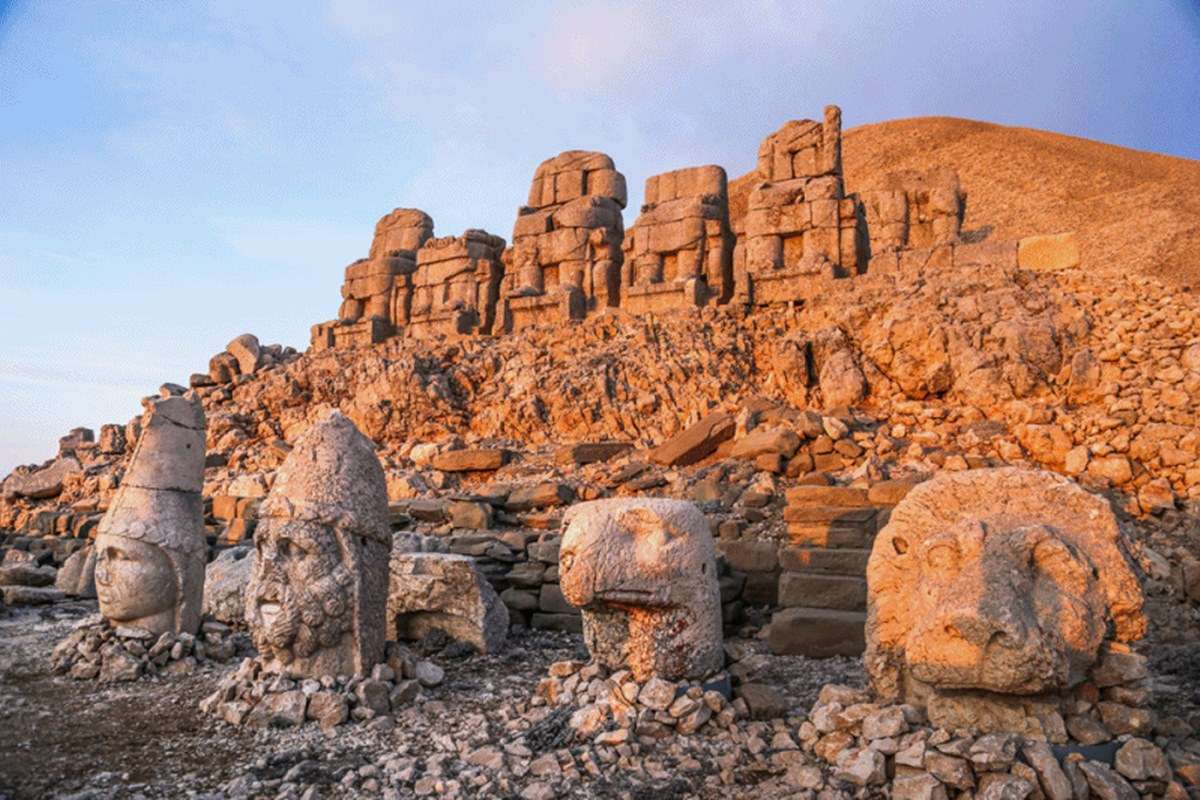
[173,174]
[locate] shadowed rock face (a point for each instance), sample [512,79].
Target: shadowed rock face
[643,571]
[1001,580]
[318,590]
[150,547]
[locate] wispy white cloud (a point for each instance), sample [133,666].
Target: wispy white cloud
[287,242]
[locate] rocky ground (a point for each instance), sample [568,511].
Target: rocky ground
[479,733]
[483,732]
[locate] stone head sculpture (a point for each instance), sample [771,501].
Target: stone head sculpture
[1004,581]
[317,596]
[643,571]
[150,546]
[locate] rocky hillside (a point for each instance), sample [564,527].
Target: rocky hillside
[1133,211]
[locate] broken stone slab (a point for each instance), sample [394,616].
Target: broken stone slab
[279,710]
[1048,253]
[445,592]
[42,483]
[831,496]
[31,595]
[781,441]
[539,495]
[764,702]
[477,459]
[817,632]
[583,453]
[27,574]
[695,442]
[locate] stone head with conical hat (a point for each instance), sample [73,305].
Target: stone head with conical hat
[150,545]
[317,596]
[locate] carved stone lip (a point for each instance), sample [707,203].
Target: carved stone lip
[628,595]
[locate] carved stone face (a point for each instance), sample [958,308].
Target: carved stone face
[135,583]
[1013,610]
[1000,582]
[300,592]
[634,557]
[643,571]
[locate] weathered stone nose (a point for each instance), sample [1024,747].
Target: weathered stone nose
[980,627]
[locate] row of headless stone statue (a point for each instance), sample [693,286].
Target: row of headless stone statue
[571,257]
[1003,586]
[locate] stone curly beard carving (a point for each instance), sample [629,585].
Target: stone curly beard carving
[309,618]
[301,597]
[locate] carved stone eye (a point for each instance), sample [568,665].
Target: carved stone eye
[566,561]
[943,555]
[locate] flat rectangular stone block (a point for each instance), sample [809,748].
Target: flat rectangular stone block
[571,623]
[750,556]
[831,514]
[1048,253]
[817,632]
[806,534]
[847,561]
[815,590]
[844,496]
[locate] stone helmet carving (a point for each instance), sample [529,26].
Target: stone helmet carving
[159,504]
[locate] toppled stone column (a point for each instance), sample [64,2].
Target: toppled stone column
[456,285]
[679,252]
[566,245]
[444,592]
[643,572]
[377,292]
[150,546]
[318,590]
[800,228]
[990,595]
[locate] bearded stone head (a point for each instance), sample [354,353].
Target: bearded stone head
[317,595]
[643,571]
[1002,580]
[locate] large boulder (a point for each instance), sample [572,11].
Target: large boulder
[445,592]
[247,351]
[225,581]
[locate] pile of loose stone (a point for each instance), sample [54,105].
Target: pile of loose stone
[865,744]
[254,696]
[96,649]
[612,707]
